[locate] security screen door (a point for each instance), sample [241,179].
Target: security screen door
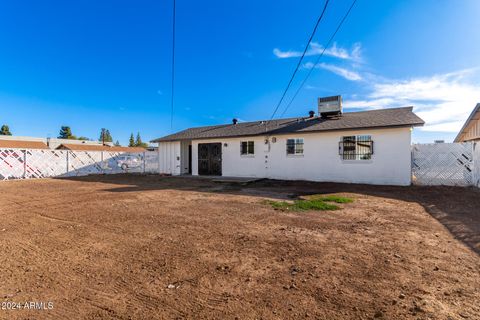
[210,159]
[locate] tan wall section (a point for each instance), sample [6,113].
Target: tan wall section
[473,132]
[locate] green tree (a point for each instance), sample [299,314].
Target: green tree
[83,138]
[131,141]
[105,135]
[117,144]
[139,142]
[66,133]
[5,131]
[108,136]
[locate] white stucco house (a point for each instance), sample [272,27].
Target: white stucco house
[370,147]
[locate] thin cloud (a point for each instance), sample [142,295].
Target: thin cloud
[444,101]
[343,72]
[316,49]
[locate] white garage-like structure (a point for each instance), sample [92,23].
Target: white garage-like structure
[370,147]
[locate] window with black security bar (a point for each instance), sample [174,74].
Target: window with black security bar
[247,148]
[356,147]
[295,146]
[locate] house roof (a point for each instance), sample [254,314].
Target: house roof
[22,144]
[475,115]
[89,147]
[394,117]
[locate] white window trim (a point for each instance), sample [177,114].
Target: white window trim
[247,155]
[295,154]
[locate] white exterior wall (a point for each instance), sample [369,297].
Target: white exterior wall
[390,163]
[184,157]
[169,157]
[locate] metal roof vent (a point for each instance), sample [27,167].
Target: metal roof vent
[234,120]
[311,114]
[330,106]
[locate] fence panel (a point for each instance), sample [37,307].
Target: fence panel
[45,163]
[117,162]
[152,162]
[12,164]
[27,164]
[443,164]
[82,163]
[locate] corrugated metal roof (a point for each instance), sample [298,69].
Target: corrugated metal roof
[393,117]
[87,147]
[20,144]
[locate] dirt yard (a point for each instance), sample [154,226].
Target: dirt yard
[136,247]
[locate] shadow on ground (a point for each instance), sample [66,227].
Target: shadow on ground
[457,208]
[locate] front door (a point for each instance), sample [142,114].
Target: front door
[210,159]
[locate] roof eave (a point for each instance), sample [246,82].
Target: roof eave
[407,125]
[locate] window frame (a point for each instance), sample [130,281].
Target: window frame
[250,148]
[298,147]
[356,147]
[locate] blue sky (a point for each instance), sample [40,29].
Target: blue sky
[93,64]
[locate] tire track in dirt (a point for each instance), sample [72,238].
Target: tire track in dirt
[139,234]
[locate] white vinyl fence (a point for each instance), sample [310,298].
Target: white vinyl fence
[451,164]
[32,163]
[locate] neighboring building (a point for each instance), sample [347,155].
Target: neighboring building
[471,129]
[21,144]
[86,147]
[17,142]
[356,147]
[51,143]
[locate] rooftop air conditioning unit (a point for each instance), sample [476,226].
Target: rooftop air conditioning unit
[330,106]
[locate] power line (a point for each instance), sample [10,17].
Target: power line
[319,57]
[173,66]
[301,59]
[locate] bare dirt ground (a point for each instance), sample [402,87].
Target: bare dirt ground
[150,247]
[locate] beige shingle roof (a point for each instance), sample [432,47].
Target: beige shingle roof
[20,144]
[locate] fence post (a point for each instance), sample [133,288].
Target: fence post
[476,164]
[68,164]
[144,162]
[24,164]
[412,148]
[103,164]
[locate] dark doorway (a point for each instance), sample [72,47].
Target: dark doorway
[190,159]
[210,159]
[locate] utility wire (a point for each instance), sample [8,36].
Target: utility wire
[173,67]
[319,57]
[301,59]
